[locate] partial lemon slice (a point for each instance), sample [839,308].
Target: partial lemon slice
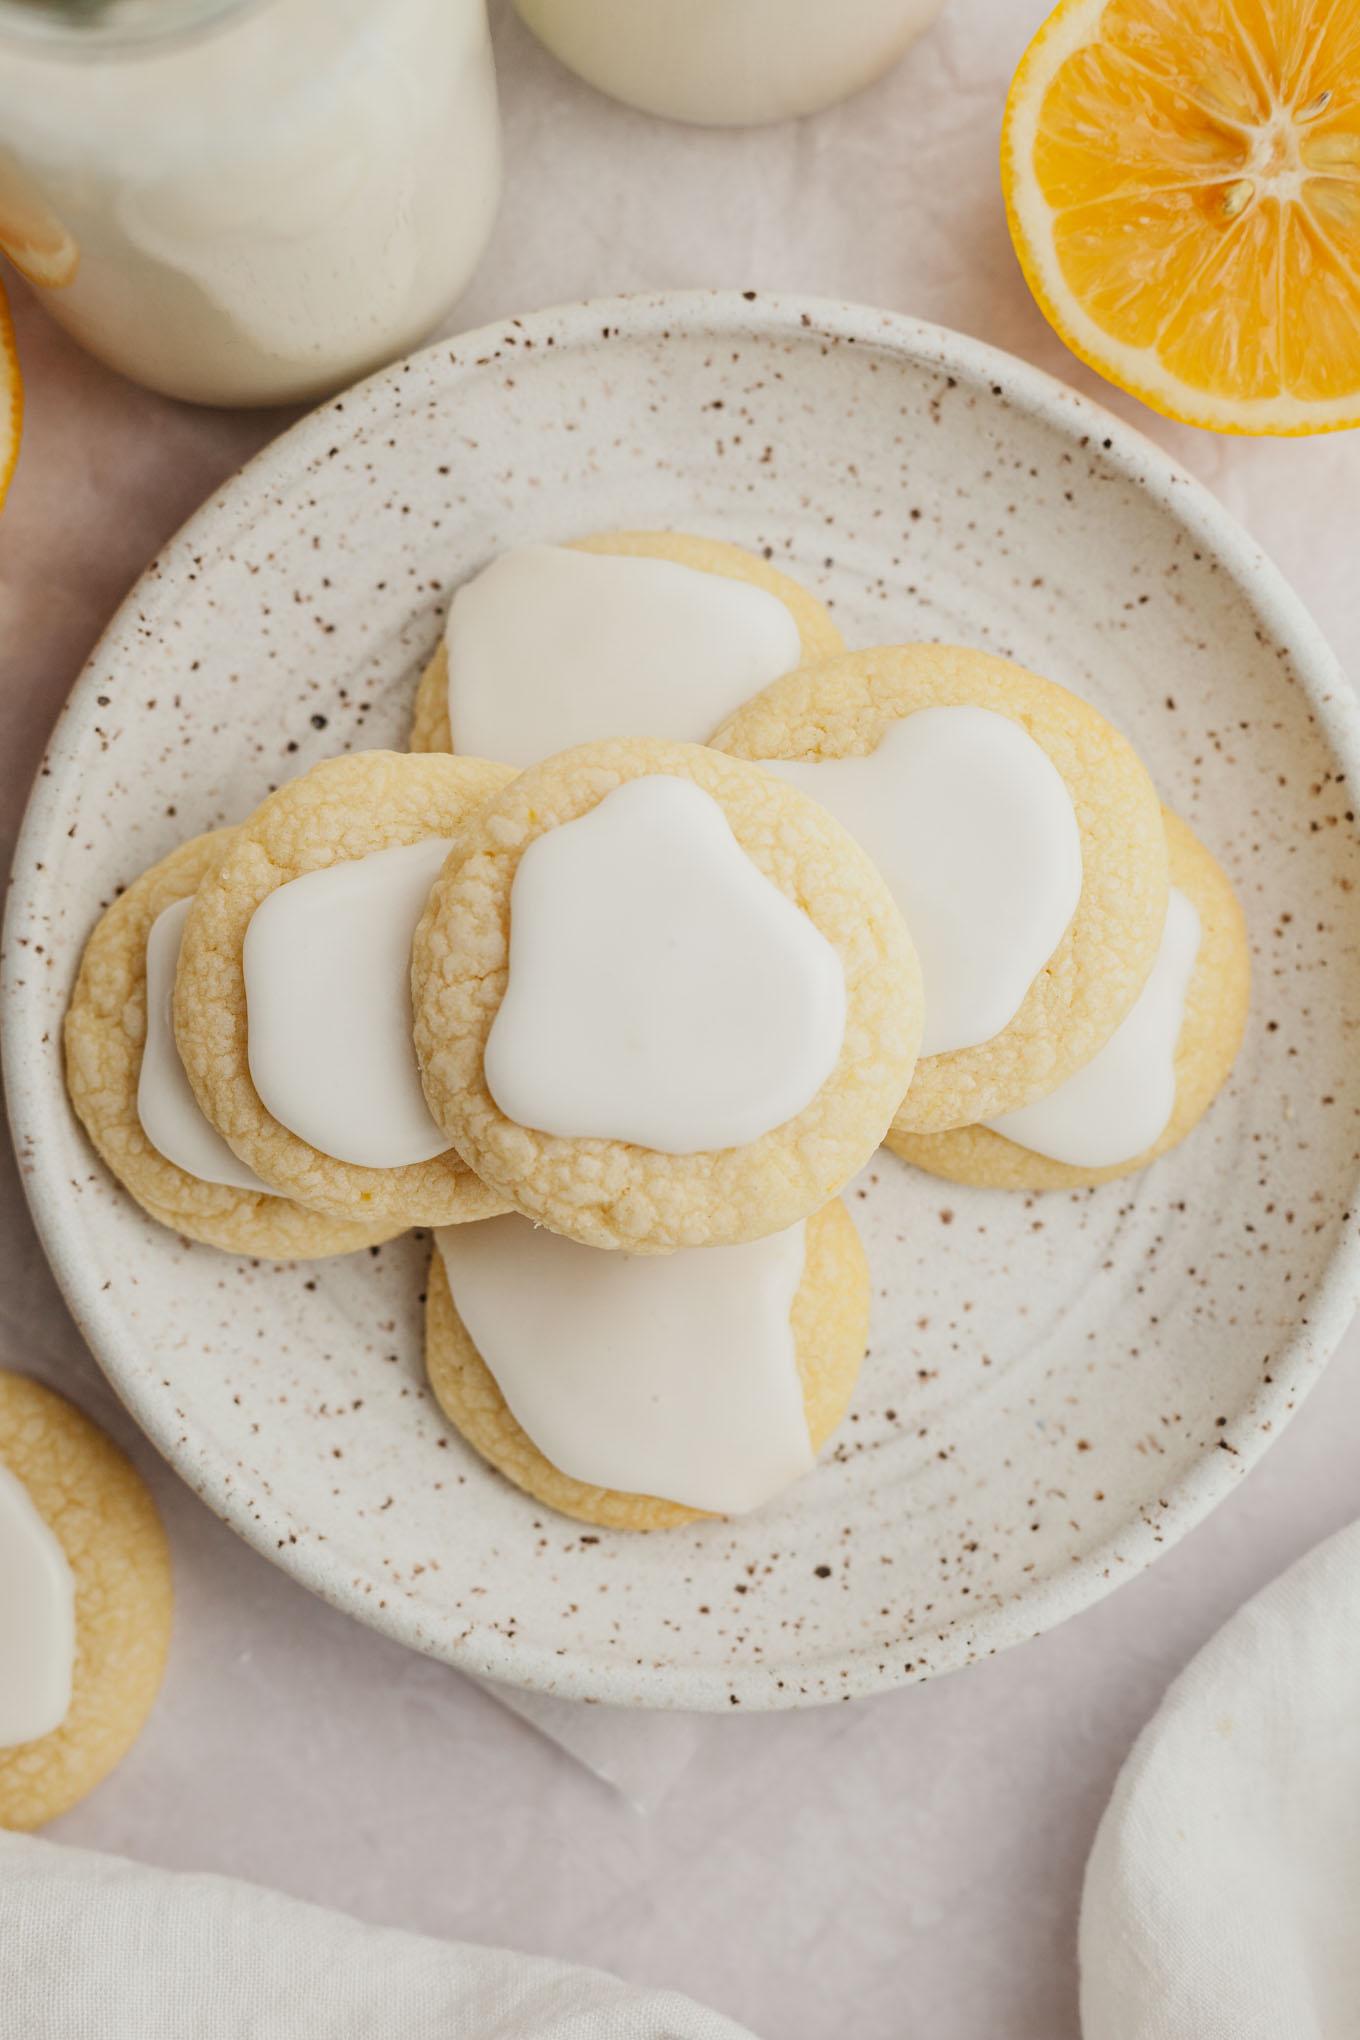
[1182,179]
[33,237]
[11,398]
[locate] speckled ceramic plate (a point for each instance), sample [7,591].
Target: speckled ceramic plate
[1058,1386]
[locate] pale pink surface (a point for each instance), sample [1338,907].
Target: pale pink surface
[909,1865]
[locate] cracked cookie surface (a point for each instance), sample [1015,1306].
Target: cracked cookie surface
[842,709]
[1211,1033]
[105,1034]
[345,808]
[613,1193]
[830,1319]
[820,638]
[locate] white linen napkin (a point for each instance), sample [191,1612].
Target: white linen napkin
[95,1948]
[1222,1897]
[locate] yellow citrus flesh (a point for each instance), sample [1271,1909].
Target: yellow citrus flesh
[11,398]
[1182,179]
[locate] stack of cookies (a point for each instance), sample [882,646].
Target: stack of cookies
[620,1014]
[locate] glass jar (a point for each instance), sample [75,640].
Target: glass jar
[247,201]
[728,63]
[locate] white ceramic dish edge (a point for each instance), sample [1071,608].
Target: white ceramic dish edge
[31,1093]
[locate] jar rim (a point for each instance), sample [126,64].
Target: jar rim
[113,28]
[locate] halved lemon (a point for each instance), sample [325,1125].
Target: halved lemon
[1182,179]
[11,398]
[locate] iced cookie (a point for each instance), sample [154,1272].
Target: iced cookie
[662,1000]
[1155,1077]
[1021,838]
[641,1391]
[132,1097]
[85,1604]
[292,1000]
[631,633]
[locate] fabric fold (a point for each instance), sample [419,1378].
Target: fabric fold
[1222,1896]
[96,1948]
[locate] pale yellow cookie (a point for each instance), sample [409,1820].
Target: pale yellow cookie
[105,1034]
[842,708]
[611,1193]
[830,1319]
[821,640]
[344,808]
[98,1506]
[1211,1034]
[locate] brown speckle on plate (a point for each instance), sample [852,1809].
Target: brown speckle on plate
[1138,1345]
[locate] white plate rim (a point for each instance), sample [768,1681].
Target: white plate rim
[35,1093]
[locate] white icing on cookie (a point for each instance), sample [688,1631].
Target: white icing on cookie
[549,647]
[166,1105]
[658,1374]
[661,989]
[37,1620]
[327,964]
[1121,1102]
[972,828]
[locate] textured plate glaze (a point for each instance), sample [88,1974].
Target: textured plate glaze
[1059,1386]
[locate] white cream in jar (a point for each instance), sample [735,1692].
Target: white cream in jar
[249,203]
[728,63]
